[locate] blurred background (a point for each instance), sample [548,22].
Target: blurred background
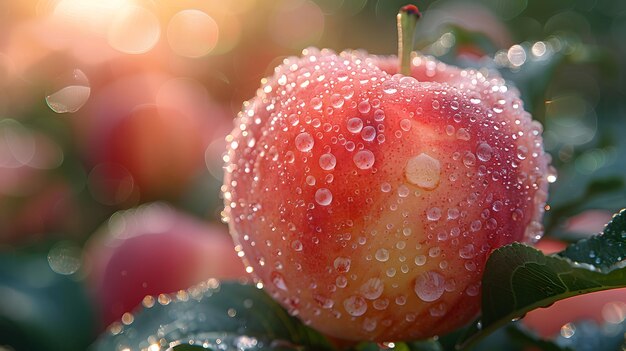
[113,116]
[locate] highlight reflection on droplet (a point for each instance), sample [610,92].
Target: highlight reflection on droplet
[72,95]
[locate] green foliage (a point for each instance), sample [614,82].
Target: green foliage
[40,309]
[216,315]
[519,278]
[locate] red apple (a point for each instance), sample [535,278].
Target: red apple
[367,201]
[155,249]
[146,136]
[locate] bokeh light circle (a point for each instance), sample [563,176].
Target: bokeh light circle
[192,33]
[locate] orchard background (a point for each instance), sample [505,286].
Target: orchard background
[113,116]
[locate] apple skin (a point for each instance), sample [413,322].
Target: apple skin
[367,202]
[155,249]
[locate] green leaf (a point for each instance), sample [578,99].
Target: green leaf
[40,309]
[519,278]
[215,315]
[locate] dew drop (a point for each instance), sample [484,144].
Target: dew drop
[323,196]
[484,152]
[433,214]
[469,159]
[435,104]
[355,305]
[364,159]
[290,157]
[296,245]
[304,142]
[467,251]
[385,187]
[372,289]
[310,180]
[328,162]
[462,134]
[403,191]
[364,106]
[72,94]
[423,171]
[429,286]
[379,115]
[405,125]
[342,76]
[438,310]
[336,100]
[354,125]
[420,260]
[342,264]
[522,152]
[382,255]
[368,133]
[278,281]
[316,103]
[497,205]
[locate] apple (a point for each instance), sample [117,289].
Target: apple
[145,137]
[367,197]
[151,250]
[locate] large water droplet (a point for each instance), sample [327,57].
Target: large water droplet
[304,142]
[368,133]
[323,196]
[342,264]
[469,159]
[484,152]
[72,94]
[364,106]
[328,162]
[355,125]
[423,171]
[433,214]
[382,255]
[429,286]
[336,100]
[372,289]
[364,159]
[405,125]
[355,305]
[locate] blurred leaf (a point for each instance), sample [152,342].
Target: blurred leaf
[40,309]
[519,278]
[424,345]
[225,316]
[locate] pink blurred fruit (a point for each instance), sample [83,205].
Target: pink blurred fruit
[152,250]
[367,201]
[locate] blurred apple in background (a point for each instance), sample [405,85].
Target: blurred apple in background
[154,249]
[602,307]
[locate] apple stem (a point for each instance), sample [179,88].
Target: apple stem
[407,20]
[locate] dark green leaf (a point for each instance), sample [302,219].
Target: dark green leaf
[519,278]
[224,316]
[40,309]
